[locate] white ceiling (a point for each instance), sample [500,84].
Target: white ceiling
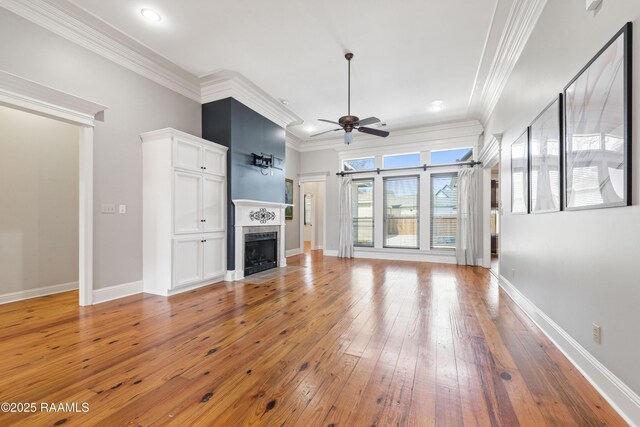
[407,53]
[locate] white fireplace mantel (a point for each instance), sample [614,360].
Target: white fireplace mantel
[252,214]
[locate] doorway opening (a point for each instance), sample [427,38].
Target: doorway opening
[28,96]
[495,221]
[312,212]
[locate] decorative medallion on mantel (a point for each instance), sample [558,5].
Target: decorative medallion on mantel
[262,215]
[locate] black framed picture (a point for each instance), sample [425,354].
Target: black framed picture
[520,174]
[545,153]
[598,129]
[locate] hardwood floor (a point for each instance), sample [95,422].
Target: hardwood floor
[339,343]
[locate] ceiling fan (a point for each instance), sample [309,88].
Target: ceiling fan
[348,123]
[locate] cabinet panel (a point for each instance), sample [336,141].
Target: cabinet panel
[213,203]
[214,249]
[187,261]
[187,203]
[214,162]
[187,155]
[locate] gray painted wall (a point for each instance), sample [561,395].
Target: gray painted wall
[579,267]
[321,162]
[135,104]
[39,188]
[292,229]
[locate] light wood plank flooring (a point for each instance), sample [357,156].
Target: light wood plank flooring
[338,343]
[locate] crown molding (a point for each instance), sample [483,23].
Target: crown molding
[490,152]
[230,84]
[502,51]
[466,132]
[293,141]
[78,26]
[34,97]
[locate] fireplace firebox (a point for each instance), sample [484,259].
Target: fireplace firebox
[260,252]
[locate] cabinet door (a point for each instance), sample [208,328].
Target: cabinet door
[187,260]
[187,191]
[187,155]
[213,203]
[214,248]
[214,162]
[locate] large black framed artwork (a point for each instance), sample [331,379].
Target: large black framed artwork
[545,135]
[598,129]
[520,174]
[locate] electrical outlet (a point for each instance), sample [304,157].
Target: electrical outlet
[597,334]
[108,209]
[122,209]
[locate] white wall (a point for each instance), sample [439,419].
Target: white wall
[135,104]
[578,267]
[292,226]
[39,191]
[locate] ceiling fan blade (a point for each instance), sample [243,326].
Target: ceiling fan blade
[329,121]
[368,121]
[376,132]
[326,131]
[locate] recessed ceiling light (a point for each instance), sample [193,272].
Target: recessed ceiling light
[437,105]
[284,102]
[309,128]
[151,15]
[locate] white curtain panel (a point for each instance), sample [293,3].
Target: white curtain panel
[345,250]
[468,235]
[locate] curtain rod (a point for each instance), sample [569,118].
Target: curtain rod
[424,167]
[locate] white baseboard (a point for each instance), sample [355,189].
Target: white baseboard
[400,255]
[292,252]
[118,291]
[624,400]
[317,248]
[38,292]
[209,282]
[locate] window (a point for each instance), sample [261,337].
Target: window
[451,156]
[365,164]
[401,160]
[444,210]
[401,212]
[362,211]
[308,208]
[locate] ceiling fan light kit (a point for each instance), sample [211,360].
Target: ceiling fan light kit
[348,123]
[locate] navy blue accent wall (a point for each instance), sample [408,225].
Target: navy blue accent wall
[232,124]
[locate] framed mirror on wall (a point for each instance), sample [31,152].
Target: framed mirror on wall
[545,153]
[598,129]
[520,174]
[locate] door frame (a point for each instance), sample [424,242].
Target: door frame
[29,96]
[322,179]
[490,157]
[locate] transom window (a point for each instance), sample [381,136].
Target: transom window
[401,160]
[457,155]
[364,164]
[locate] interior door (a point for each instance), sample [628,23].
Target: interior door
[214,248]
[187,260]
[187,217]
[187,155]
[213,203]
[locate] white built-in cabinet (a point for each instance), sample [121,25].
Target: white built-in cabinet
[184,211]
